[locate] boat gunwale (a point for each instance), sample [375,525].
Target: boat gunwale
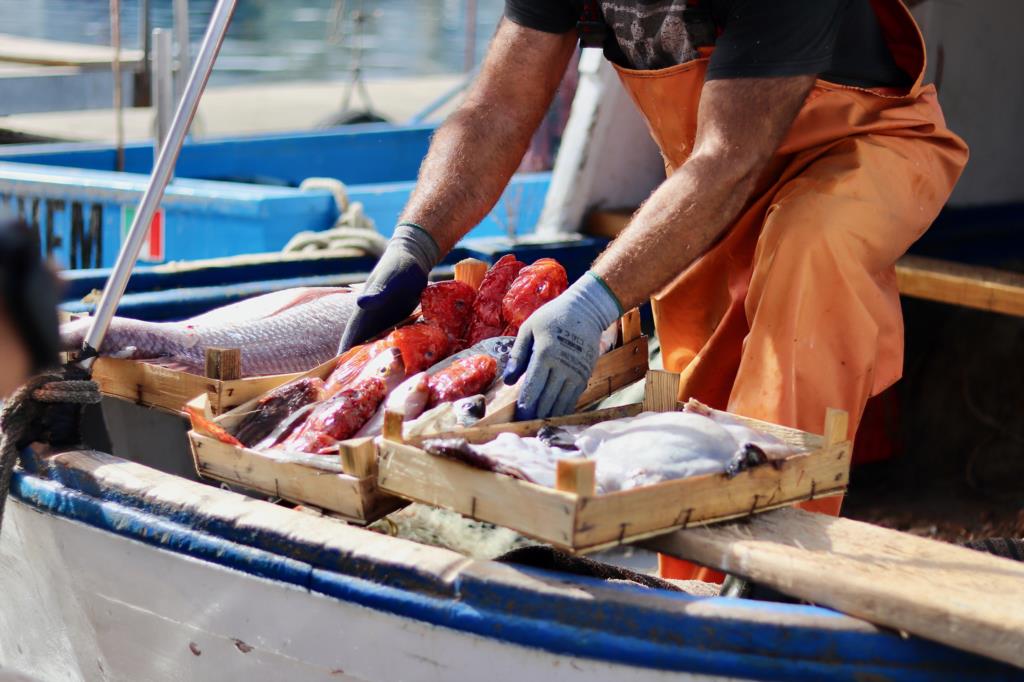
[530,607]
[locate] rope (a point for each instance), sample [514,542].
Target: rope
[46,409]
[352,231]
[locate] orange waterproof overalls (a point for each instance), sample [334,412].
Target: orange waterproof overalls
[796,309]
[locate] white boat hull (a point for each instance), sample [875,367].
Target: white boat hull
[85,604]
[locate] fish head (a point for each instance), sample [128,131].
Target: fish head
[386,366]
[470,410]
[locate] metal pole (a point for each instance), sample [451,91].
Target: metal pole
[181,36]
[112,292]
[163,88]
[115,65]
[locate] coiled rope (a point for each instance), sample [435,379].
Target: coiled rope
[46,409]
[352,231]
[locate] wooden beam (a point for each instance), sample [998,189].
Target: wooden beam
[224,364]
[966,599]
[972,286]
[661,391]
[471,271]
[578,476]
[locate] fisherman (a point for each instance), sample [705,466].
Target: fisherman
[804,155]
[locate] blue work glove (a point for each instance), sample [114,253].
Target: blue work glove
[557,348]
[393,289]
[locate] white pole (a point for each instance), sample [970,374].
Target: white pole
[162,169]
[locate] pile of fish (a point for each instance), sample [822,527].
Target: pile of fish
[286,331]
[630,452]
[443,366]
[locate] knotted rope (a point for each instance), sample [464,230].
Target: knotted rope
[353,230]
[46,409]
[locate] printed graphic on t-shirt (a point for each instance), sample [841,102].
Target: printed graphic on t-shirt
[651,35]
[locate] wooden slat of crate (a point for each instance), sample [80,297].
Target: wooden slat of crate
[168,389]
[543,513]
[358,499]
[599,521]
[615,369]
[635,514]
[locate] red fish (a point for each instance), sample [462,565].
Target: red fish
[274,407]
[449,305]
[462,379]
[351,363]
[339,417]
[421,344]
[534,286]
[487,320]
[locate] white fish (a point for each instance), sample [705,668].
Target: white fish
[278,333]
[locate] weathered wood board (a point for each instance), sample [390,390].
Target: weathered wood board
[577,519]
[972,286]
[168,389]
[966,599]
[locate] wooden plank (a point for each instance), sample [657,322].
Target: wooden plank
[577,476]
[482,434]
[346,495]
[629,326]
[168,389]
[542,513]
[225,396]
[966,599]
[471,271]
[223,364]
[799,439]
[61,53]
[620,516]
[661,391]
[147,384]
[615,369]
[358,457]
[971,286]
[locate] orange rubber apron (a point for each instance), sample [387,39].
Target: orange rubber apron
[796,309]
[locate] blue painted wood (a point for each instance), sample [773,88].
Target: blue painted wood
[734,637]
[160,293]
[357,154]
[209,219]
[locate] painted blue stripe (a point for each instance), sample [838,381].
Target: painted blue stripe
[627,634]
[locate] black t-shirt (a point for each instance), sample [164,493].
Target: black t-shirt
[839,40]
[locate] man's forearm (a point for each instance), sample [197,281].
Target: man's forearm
[471,159]
[479,147]
[741,124]
[678,223]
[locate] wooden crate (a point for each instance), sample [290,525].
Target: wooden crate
[575,518]
[346,485]
[153,385]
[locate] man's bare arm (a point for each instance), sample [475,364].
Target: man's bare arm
[741,123]
[479,147]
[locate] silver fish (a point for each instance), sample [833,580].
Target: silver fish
[278,333]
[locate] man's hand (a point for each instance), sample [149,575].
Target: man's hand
[558,346]
[394,287]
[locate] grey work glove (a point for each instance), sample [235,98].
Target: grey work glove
[394,287]
[557,348]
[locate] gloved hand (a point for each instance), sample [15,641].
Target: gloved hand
[394,287]
[557,348]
